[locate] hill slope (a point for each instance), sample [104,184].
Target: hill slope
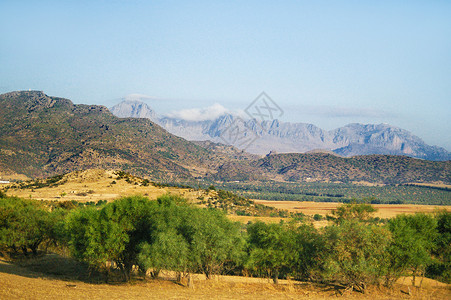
[42,135]
[387,169]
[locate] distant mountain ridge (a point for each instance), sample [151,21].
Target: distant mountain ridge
[43,136]
[284,137]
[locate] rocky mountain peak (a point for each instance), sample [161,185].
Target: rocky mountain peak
[133,109]
[33,100]
[284,137]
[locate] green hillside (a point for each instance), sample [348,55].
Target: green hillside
[386,169]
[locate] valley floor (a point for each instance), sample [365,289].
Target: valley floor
[324,208]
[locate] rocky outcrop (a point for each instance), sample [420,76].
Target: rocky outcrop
[285,137]
[133,109]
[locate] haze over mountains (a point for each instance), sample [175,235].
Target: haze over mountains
[43,136]
[283,137]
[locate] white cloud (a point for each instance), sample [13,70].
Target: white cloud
[202,114]
[138,97]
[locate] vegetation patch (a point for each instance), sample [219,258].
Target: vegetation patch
[134,236]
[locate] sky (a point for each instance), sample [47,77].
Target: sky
[328,63]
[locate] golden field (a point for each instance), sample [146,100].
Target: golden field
[324,208]
[35,279]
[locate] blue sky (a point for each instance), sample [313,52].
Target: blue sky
[324,62]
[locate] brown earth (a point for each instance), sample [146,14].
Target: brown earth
[246,219]
[433,184]
[25,281]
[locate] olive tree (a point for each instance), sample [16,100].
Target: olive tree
[163,234]
[189,239]
[272,249]
[110,235]
[355,253]
[24,224]
[413,242]
[169,251]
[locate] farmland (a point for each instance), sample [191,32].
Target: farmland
[325,208]
[344,192]
[92,194]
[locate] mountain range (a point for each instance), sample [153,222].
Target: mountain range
[284,137]
[43,136]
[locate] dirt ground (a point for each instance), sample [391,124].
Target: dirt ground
[26,281]
[324,208]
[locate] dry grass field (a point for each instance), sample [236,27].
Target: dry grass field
[38,279]
[95,185]
[324,208]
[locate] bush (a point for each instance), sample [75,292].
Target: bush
[442,249]
[317,217]
[413,241]
[355,251]
[166,233]
[24,224]
[353,211]
[171,234]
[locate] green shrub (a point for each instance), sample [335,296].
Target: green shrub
[413,241]
[355,251]
[24,224]
[317,217]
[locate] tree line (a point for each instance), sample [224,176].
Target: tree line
[340,192]
[135,235]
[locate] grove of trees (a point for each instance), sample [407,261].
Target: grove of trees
[135,235]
